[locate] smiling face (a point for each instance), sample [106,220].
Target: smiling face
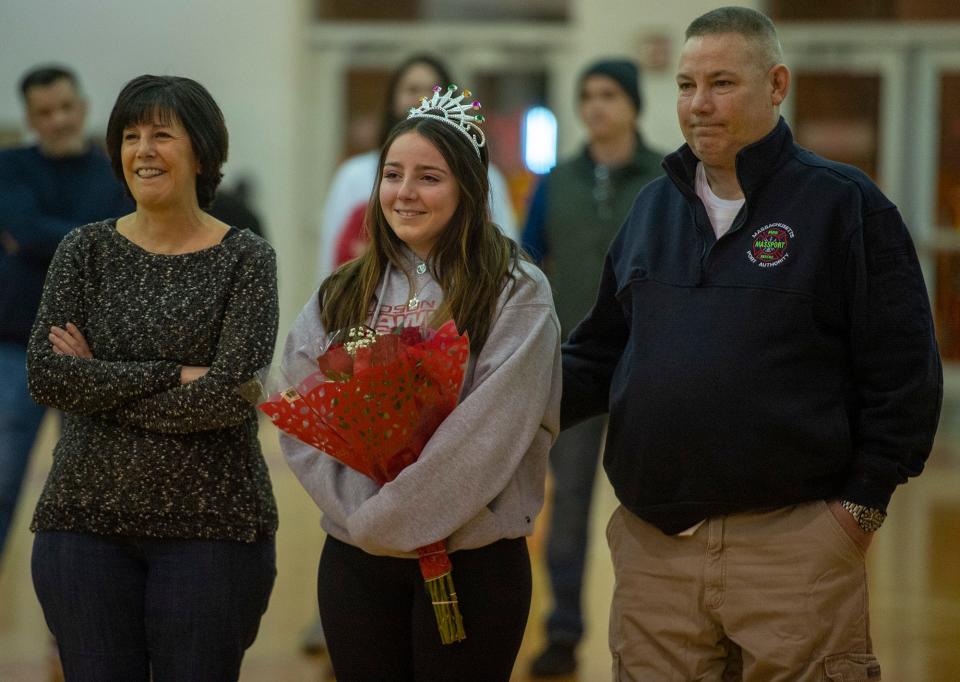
[418,192]
[159,164]
[728,96]
[56,113]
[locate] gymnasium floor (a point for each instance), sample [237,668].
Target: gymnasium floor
[914,565]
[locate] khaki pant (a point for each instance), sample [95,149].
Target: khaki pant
[771,596]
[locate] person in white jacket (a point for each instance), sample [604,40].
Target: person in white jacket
[349,192]
[478,484]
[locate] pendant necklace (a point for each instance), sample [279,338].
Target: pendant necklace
[415,299]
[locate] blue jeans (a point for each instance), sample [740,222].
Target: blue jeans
[122,609]
[573,461]
[20,419]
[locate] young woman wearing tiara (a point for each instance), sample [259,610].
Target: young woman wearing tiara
[434,256]
[341,231]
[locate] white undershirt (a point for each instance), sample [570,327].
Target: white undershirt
[721,211]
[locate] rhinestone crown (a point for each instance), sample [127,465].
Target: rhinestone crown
[447,106]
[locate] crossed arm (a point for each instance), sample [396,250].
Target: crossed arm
[70,341]
[156,395]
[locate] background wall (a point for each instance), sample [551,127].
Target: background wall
[280,90]
[247,53]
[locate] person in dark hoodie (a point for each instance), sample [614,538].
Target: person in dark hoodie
[763,343]
[48,189]
[575,212]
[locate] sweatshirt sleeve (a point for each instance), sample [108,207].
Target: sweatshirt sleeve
[247,336]
[476,451]
[22,216]
[75,384]
[535,231]
[896,366]
[592,352]
[501,208]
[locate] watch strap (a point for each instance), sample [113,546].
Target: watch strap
[868,518]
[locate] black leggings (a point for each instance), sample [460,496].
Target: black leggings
[379,622]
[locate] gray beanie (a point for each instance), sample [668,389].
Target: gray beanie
[624,72]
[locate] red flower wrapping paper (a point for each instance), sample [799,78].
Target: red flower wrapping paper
[373,403]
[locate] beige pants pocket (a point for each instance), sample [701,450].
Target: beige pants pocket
[852,668]
[840,532]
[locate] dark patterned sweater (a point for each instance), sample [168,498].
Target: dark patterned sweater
[141,455]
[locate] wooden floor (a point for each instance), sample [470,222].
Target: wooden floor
[914,566]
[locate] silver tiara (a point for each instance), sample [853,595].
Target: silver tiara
[452,111]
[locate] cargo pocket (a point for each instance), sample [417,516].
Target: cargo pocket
[852,668]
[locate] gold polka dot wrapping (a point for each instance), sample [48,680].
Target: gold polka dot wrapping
[373,404]
[375,409]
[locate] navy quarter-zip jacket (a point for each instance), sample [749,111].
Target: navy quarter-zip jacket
[793,359]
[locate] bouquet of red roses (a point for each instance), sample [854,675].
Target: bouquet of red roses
[373,403]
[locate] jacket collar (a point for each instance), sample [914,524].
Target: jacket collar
[639,160]
[755,162]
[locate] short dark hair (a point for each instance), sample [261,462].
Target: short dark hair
[751,24]
[162,98]
[46,75]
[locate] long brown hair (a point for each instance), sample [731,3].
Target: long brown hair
[472,259]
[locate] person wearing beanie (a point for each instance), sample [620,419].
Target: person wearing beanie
[575,212]
[624,72]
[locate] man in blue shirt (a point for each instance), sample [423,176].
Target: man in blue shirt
[48,189]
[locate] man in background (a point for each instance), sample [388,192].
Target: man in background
[575,212]
[46,190]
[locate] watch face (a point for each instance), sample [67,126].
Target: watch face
[870,519]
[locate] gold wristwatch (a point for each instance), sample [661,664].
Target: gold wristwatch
[868,518]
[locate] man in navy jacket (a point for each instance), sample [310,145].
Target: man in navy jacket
[46,190]
[763,343]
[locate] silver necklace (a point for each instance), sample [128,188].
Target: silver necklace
[414,300]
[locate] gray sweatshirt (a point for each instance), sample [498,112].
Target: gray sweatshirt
[480,478]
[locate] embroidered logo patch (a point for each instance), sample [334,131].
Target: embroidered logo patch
[770,245]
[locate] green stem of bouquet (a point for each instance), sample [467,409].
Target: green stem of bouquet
[446,608]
